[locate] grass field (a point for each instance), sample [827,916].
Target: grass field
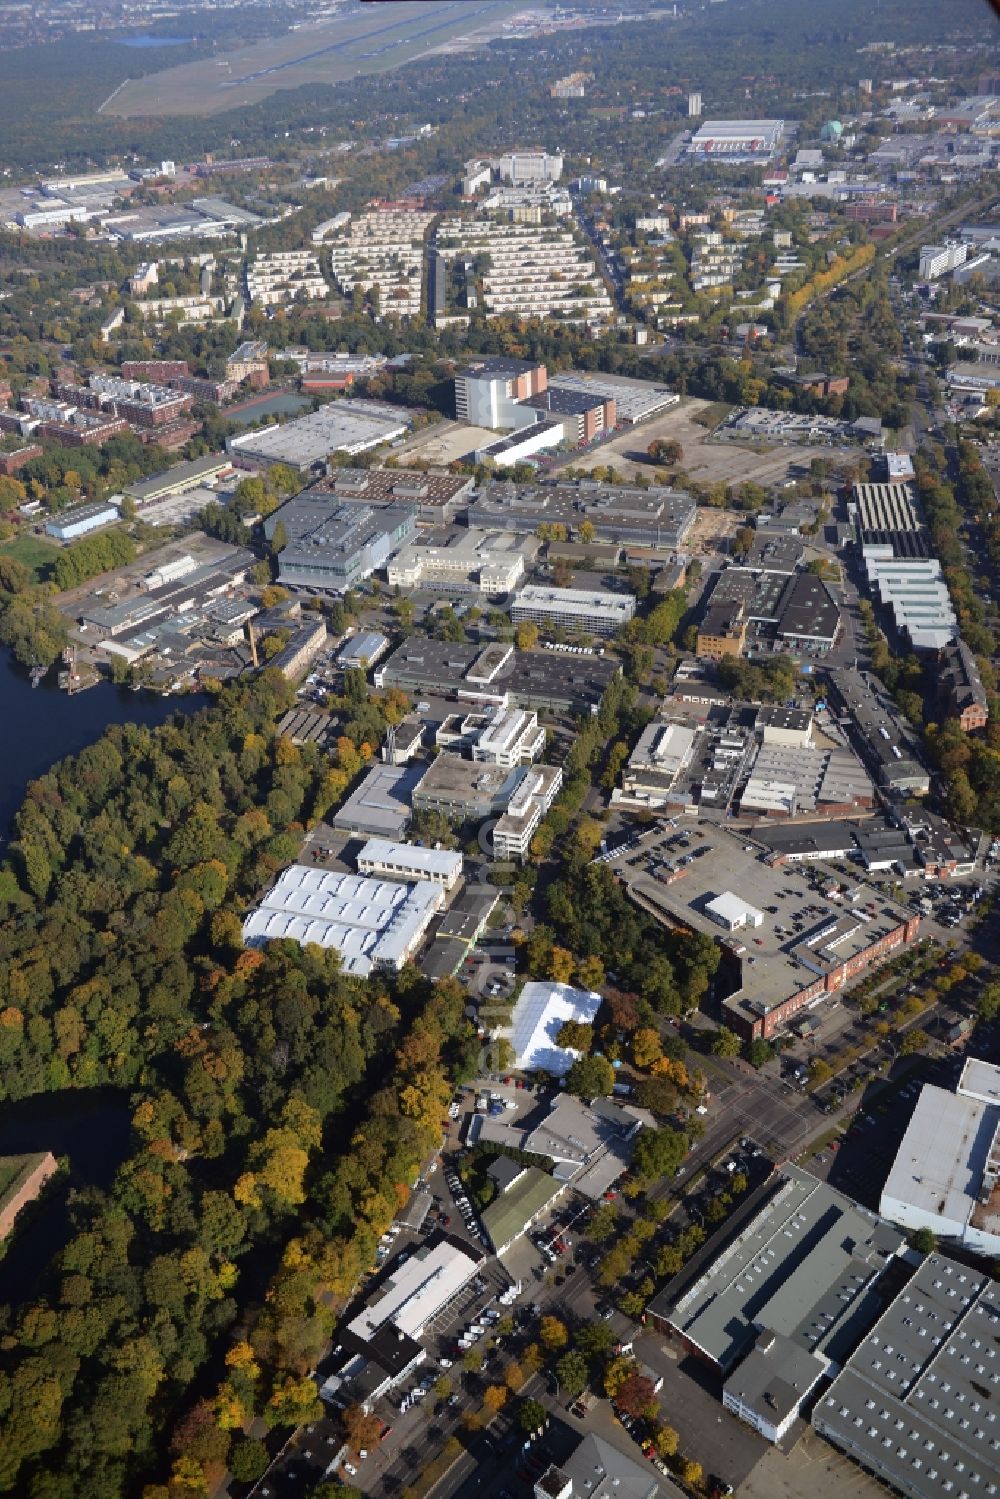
[380,38]
[34,553]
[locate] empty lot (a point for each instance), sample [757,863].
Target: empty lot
[705,462]
[812,1467]
[444,443]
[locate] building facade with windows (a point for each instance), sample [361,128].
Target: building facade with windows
[573,609]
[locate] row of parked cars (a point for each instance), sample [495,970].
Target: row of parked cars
[461,1200]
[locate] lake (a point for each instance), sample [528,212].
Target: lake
[89,1126]
[41,725]
[278,405]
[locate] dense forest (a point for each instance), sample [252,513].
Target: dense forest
[279,1109]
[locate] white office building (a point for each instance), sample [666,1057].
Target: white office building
[532,798]
[946,1175]
[573,609]
[385,859]
[936,260]
[513,736]
[491,563]
[529,166]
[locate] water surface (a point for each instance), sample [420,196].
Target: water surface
[40,725]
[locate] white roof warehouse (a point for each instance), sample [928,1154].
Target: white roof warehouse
[372,923]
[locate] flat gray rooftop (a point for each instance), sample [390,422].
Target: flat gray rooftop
[916,1403]
[799,1267]
[804,937]
[381,805]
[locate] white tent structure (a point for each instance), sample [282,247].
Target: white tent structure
[540,1012]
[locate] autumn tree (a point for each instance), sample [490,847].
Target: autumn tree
[553,1334]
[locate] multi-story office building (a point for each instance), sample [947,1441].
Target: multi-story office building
[489,392]
[469,561]
[723,630]
[532,798]
[573,609]
[936,260]
[331,546]
[530,166]
[510,736]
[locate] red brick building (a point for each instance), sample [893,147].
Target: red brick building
[163,371]
[89,436]
[766,1024]
[11,462]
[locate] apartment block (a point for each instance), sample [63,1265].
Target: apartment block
[284,276]
[383,251]
[248,361]
[194,309]
[533,270]
[140,403]
[936,260]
